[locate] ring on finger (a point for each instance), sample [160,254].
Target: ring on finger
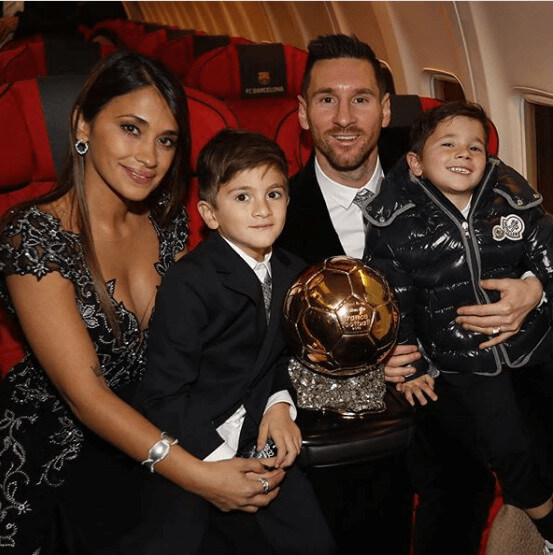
[265,483]
[496,331]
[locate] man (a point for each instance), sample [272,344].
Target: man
[344,104]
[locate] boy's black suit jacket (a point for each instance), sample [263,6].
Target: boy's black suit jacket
[210,348]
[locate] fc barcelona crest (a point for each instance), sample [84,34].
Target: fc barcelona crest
[263,77]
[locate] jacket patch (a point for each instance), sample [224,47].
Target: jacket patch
[510,227]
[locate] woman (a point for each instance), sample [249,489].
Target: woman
[80,267]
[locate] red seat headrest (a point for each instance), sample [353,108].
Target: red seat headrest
[208,115]
[50,57]
[259,82]
[179,54]
[129,32]
[152,43]
[249,71]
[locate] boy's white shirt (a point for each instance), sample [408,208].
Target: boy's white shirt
[230,429]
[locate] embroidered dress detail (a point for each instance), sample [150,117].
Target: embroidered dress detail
[39,436]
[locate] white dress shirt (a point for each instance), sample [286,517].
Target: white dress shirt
[346,216]
[230,429]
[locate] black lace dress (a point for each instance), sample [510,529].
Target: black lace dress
[44,452]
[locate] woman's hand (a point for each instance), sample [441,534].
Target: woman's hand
[238,484]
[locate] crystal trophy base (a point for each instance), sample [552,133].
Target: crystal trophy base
[349,396]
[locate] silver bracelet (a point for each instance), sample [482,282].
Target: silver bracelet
[159,450]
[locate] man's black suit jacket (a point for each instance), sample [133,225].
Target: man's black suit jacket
[309,231]
[210,349]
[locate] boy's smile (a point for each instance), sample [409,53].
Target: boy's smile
[250,209]
[453,158]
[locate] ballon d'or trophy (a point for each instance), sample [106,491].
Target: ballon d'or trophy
[341,320]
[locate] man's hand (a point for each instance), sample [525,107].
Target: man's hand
[396,369]
[502,319]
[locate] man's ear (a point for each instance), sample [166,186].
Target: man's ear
[386,110]
[414,162]
[207,212]
[302,113]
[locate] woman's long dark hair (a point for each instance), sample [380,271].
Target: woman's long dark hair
[121,73]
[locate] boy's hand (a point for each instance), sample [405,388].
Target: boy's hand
[397,363]
[277,424]
[418,388]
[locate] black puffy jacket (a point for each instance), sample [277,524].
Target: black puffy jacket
[434,259]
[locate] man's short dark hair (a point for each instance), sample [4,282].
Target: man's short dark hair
[331,47]
[428,120]
[231,151]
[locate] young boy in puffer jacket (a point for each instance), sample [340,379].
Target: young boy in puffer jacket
[447,217]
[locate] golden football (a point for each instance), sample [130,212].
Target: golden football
[341,317]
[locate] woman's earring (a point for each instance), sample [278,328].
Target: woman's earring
[81,147]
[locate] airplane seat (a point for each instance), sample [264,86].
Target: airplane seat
[129,32]
[179,54]
[258,81]
[208,115]
[152,43]
[50,56]
[33,137]
[16,43]
[294,141]
[394,139]
[28,139]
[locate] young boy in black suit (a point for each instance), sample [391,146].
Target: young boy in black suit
[217,379]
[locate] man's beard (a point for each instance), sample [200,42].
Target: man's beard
[341,162]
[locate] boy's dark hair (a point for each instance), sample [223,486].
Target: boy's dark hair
[231,151]
[428,120]
[331,47]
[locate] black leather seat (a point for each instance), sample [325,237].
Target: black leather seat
[331,440]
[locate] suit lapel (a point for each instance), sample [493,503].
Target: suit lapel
[237,276]
[314,211]
[282,277]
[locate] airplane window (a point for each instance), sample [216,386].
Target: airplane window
[539,135]
[447,88]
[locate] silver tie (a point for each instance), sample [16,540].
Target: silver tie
[266,287]
[363,198]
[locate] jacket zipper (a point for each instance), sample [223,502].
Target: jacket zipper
[472,253]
